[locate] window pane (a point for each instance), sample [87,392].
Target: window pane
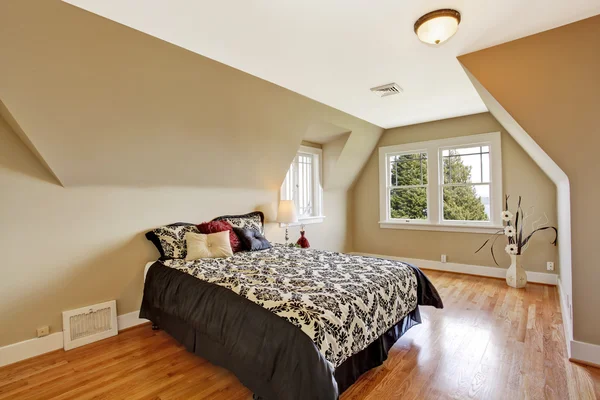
[304,185]
[467,203]
[463,167]
[408,169]
[468,150]
[393,175]
[301,184]
[288,185]
[485,168]
[409,203]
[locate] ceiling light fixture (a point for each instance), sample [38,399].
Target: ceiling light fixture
[437,26]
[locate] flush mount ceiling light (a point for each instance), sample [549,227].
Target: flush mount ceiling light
[437,26]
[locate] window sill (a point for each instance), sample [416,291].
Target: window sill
[305,221]
[439,227]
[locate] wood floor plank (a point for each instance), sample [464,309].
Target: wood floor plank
[489,342]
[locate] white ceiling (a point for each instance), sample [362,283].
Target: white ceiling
[334,51]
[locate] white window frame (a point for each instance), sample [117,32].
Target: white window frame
[435,219]
[318,215]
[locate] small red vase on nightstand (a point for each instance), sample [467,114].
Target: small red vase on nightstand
[303,242]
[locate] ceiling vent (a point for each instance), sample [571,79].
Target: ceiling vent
[387,90]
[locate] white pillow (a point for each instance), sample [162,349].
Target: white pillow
[214,245]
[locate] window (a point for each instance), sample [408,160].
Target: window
[408,186]
[303,185]
[451,184]
[466,184]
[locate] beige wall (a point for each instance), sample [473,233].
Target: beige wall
[521,176]
[549,83]
[141,133]
[64,248]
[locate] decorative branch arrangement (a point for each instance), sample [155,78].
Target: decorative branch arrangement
[517,241]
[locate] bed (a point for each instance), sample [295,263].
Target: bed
[290,323]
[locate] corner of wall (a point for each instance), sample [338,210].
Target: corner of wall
[8,117]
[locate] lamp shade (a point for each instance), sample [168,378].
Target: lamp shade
[286,213]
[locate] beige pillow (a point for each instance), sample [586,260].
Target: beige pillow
[214,245]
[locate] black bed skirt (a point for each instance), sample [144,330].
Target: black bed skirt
[345,375]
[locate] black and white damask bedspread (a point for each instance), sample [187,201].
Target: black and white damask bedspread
[342,302]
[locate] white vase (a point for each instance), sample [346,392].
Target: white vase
[516,276]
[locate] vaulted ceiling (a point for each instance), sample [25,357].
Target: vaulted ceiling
[334,51]
[100,103]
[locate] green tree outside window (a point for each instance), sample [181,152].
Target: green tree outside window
[461,203]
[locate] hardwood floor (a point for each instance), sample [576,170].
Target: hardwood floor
[490,342]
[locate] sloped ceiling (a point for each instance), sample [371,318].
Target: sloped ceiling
[323,133]
[333,51]
[549,84]
[104,104]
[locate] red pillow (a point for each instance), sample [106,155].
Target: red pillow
[220,226]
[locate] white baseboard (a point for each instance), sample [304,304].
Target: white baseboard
[586,353]
[34,347]
[583,352]
[492,272]
[130,319]
[30,348]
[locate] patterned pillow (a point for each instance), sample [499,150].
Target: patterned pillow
[220,226]
[170,239]
[251,239]
[254,220]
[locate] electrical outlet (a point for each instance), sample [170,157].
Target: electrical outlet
[550,266]
[443,258]
[43,331]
